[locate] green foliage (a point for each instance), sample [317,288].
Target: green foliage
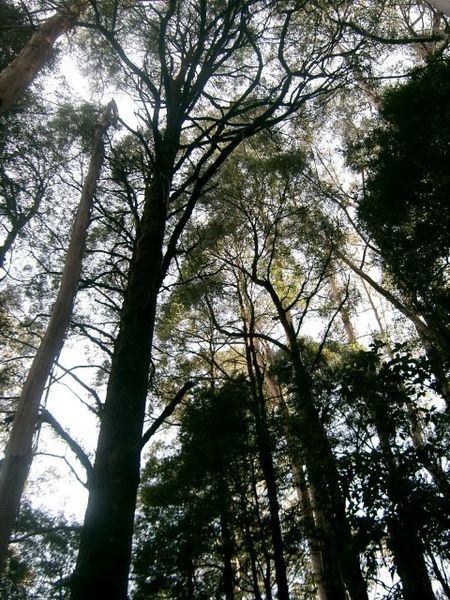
[262,217]
[42,559]
[14,31]
[75,123]
[384,402]
[405,205]
[184,496]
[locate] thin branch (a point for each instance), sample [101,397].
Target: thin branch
[168,410]
[46,417]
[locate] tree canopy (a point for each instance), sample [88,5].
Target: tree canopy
[245,320]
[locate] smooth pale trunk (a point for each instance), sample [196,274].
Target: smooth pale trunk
[433,334]
[337,294]
[420,325]
[17,76]
[18,455]
[323,477]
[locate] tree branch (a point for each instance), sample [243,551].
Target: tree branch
[46,417]
[168,410]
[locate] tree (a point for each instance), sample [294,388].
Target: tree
[254,248]
[404,204]
[194,49]
[20,72]
[18,456]
[387,392]
[224,241]
[42,557]
[189,497]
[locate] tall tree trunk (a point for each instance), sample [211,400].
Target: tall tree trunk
[326,572]
[105,546]
[18,456]
[17,76]
[268,469]
[264,547]
[430,463]
[227,543]
[336,292]
[404,539]
[321,467]
[324,480]
[249,543]
[264,444]
[434,337]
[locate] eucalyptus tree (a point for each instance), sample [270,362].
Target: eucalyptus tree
[263,247]
[403,503]
[198,497]
[31,167]
[18,454]
[20,72]
[15,31]
[259,406]
[43,557]
[189,57]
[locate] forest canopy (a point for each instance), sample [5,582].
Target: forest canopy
[224,300]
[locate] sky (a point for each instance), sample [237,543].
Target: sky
[54,483]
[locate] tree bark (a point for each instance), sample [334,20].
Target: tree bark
[433,335]
[20,72]
[421,326]
[105,546]
[336,293]
[265,549]
[326,573]
[227,543]
[268,469]
[264,447]
[317,455]
[324,480]
[404,539]
[18,456]
[249,544]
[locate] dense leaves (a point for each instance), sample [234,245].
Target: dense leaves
[405,203]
